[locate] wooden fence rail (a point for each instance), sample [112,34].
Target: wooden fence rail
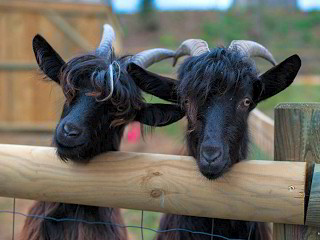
[252,190]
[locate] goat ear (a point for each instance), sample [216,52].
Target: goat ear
[159,86]
[47,58]
[279,77]
[158,115]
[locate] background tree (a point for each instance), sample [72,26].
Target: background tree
[148,15]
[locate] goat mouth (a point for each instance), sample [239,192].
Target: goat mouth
[66,153]
[60,145]
[212,175]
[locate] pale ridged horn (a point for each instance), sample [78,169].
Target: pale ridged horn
[192,47]
[148,57]
[253,49]
[108,36]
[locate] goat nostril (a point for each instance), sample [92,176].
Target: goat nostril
[217,154]
[71,130]
[211,154]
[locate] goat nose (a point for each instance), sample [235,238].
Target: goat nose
[210,154]
[71,130]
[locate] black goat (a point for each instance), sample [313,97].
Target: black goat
[101,99]
[218,89]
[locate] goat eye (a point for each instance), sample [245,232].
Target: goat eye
[245,103]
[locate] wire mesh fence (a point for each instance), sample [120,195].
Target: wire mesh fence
[139,224]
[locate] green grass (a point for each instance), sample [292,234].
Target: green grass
[295,93]
[163,67]
[269,26]
[168,41]
[283,31]
[150,220]
[256,154]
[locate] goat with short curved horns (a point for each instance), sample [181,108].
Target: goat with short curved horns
[101,99]
[218,89]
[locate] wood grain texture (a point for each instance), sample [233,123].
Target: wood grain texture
[261,129]
[297,131]
[17,66]
[69,31]
[69,28]
[313,211]
[251,190]
[27,127]
[64,8]
[27,134]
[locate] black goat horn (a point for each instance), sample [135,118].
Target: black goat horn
[253,49]
[192,47]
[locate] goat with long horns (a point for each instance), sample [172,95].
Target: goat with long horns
[101,99]
[218,89]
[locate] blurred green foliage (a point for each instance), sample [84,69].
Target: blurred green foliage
[148,19]
[168,41]
[146,7]
[283,31]
[274,27]
[295,93]
[256,154]
[150,220]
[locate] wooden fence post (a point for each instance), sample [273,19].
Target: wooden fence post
[313,211]
[297,138]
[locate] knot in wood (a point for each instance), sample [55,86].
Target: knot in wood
[291,188]
[156,193]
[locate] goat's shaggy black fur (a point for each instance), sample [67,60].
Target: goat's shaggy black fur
[219,227]
[218,89]
[94,116]
[86,83]
[40,229]
[216,81]
[126,98]
[212,88]
[83,80]
[213,74]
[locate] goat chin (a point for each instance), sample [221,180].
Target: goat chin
[260,231]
